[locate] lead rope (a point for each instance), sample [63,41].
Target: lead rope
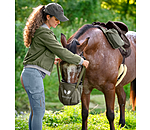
[81,74]
[58,73]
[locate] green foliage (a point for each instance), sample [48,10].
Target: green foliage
[21,121]
[21,98]
[87,10]
[127,90]
[23,8]
[66,116]
[20,49]
[70,118]
[123,7]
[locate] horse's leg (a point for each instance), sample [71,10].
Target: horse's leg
[109,92]
[133,94]
[121,100]
[85,109]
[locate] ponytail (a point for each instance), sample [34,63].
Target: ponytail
[35,20]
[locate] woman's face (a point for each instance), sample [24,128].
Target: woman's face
[52,22]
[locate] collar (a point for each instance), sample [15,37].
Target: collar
[45,26]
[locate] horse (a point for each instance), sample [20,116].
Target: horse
[104,61]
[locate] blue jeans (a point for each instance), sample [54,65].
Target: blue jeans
[33,83]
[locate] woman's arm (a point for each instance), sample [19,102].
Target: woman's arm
[53,45]
[85,62]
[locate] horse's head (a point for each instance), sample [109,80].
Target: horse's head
[71,72]
[74,46]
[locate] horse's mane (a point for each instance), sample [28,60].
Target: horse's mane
[80,31]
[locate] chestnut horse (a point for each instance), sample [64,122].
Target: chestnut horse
[102,72]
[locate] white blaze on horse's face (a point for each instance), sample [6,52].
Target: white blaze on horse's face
[71,72]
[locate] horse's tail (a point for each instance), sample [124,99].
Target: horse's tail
[133,94]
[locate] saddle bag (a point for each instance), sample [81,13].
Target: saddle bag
[113,37]
[70,94]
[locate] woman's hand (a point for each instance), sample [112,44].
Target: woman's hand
[57,60]
[85,63]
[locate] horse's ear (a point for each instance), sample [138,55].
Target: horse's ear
[63,40]
[83,45]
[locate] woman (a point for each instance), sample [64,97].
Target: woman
[40,57]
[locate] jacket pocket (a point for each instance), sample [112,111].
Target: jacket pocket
[49,54]
[47,60]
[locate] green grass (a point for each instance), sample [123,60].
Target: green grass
[69,118]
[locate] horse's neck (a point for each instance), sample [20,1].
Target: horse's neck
[96,36]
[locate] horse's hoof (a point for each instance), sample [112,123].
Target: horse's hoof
[122,122]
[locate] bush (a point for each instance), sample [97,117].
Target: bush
[20,49]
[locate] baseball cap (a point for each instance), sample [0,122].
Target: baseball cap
[56,10]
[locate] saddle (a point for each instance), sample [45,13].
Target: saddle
[122,29]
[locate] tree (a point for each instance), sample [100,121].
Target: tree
[123,7]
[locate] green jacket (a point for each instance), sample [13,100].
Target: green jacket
[43,49]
